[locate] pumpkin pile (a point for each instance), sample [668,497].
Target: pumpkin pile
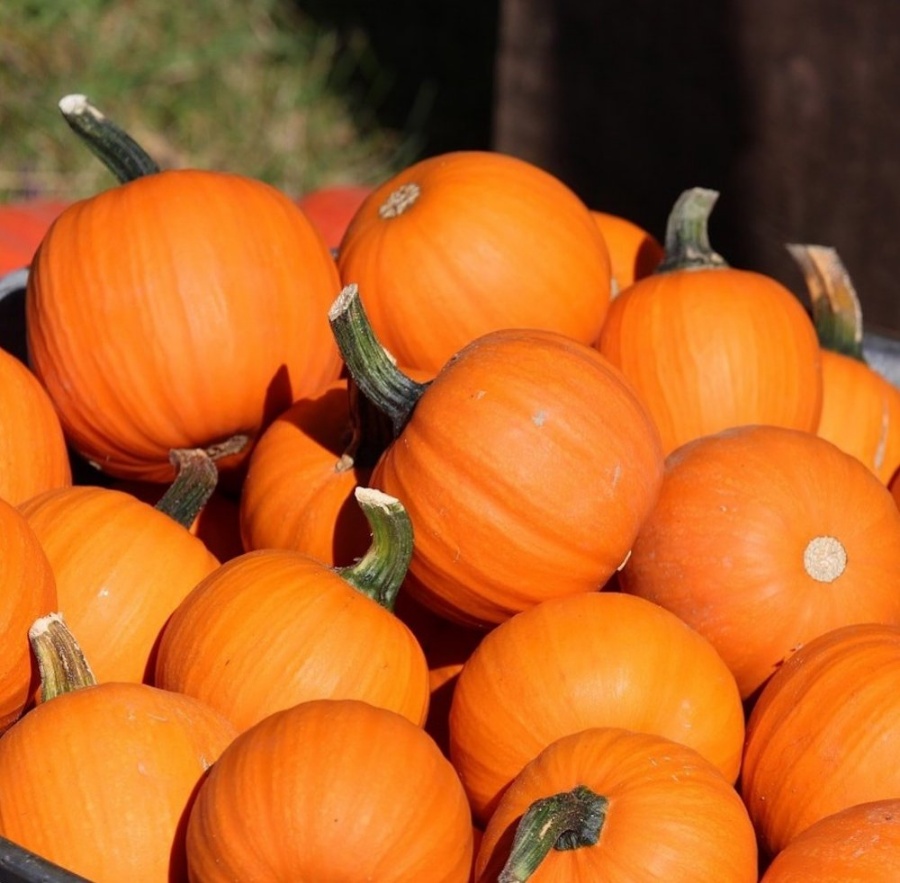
[446,530]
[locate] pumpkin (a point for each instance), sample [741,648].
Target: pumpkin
[332,207]
[274,627]
[492,460]
[29,591]
[22,226]
[331,790]
[619,806]
[763,538]
[860,408]
[121,567]
[708,346]
[33,452]
[176,310]
[99,778]
[633,252]
[825,733]
[595,659]
[860,843]
[468,242]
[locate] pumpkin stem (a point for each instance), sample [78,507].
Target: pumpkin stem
[836,309]
[115,148]
[61,662]
[687,233]
[563,821]
[381,571]
[196,478]
[369,364]
[371,431]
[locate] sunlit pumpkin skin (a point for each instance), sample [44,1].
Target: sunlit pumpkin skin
[33,452]
[99,780]
[527,468]
[712,347]
[175,311]
[633,251]
[464,243]
[670,815]
[763,538]
[331,208]
[22,226]
[274,627]
[589,660]
[29,591]
[331,790]
[121,568]
[860,844]
[298,490]
[825,733]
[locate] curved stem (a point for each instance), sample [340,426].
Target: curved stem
[369,364]
[371,430]
[381,571]
[687,233]
[115,148]
[569,820]
[61,662]
[836,310]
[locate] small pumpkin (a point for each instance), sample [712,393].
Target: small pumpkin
[22,226]
[468,242]
[708,346]
[331,790]
[332,207]
[633,251]
[598,659]
[619,806]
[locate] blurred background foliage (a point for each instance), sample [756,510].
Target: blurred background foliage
[299,94]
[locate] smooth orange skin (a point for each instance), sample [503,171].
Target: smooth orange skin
[825,733]
[297,493]
[176,311]
[589,660]
[527,468]
[860,413]
[121,568]
[491,242]
[100,780]
[671,814]
[633,252]
[723,548]
[860,844]
[33,452]
[274,627]
[332,208]
[28,592]
[710,349]
[335,790]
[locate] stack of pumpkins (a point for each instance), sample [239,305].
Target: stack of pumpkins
[485,539]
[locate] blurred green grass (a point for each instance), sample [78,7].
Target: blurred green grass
[248,86]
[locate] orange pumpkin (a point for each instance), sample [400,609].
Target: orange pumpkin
[274,627]
[177,310]
[708,346]
[468,242]
[331,790]
[633,252]
[33,452]
[860,843]
[332,207]
[619,806]
[825,733]
[860,408]
[493,459]
[763,538]
[596,659]
[22,226]
[99,778]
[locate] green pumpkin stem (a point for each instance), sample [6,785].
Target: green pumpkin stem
[115,148]
[836,310]
[61,662]
[381,571]
[369,364]
[371,431]
[687,233]
[569,820]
